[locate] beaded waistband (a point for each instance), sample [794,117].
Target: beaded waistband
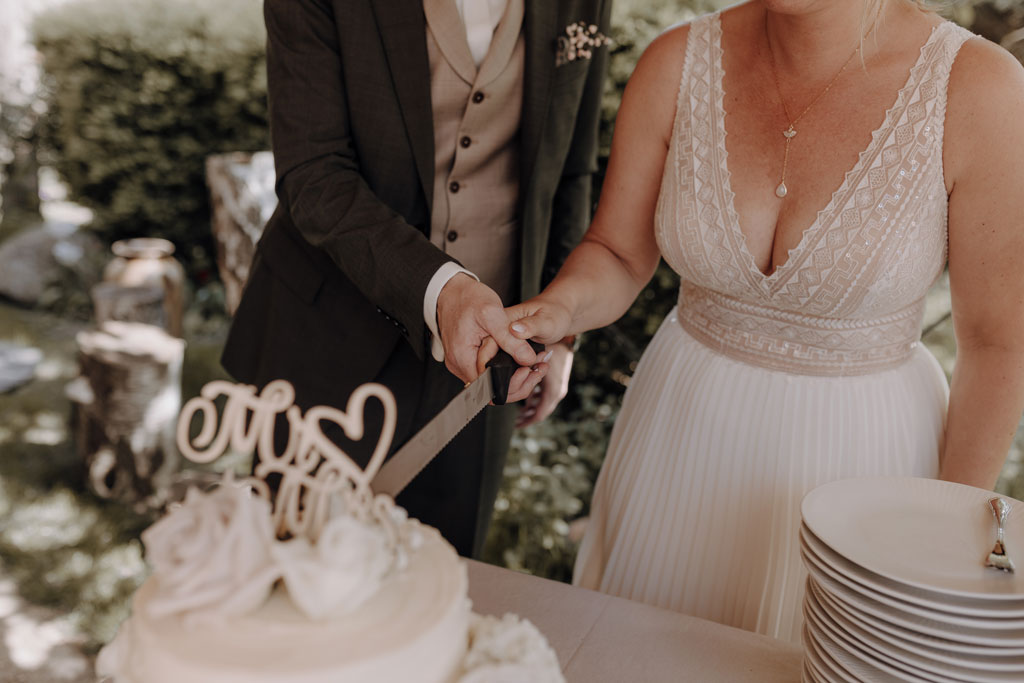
[801,344]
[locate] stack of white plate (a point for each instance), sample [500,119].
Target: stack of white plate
[898,589]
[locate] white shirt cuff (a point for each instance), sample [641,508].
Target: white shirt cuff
[434,287]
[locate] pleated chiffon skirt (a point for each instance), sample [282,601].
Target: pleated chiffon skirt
[697,506]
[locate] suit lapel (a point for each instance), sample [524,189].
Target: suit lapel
[450,34]
[403,32]
[503,45]
[539,73]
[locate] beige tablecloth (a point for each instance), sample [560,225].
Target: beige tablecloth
[601,638]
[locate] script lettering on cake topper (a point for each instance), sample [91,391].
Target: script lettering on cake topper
[315,474]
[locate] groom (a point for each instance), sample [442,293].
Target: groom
[434,162]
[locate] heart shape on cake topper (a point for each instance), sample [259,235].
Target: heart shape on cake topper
[315,474]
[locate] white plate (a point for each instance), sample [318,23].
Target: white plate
[891,651]
[938,629]
[981,623]
[830,635]
[900,634]
[862,667]
[978,657]
[925,533]
[812,669]
[999,609]
[809,676]
[824,665]
[839,645]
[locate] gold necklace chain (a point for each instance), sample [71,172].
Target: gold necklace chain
[781,190]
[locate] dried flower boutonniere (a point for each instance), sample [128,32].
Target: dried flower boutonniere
[579,42]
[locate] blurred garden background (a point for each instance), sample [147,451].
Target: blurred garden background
[109,111]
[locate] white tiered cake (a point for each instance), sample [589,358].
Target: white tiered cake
[357,592]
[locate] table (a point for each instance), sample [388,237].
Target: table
[599,638]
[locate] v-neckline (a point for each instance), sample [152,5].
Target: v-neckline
[766,281]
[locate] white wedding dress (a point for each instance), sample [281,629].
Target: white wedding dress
[758,388]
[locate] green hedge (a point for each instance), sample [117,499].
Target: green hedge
[141,91]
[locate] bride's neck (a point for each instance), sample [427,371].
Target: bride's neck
[809,37]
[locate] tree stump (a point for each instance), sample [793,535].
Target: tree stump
[242,194]
[125,407]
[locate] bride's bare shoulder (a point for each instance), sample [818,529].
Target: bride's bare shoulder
[654,83]
[983,68]
[985,103]
[649,100]
[666,53]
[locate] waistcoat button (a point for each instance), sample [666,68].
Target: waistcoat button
[453,186]
[478,97]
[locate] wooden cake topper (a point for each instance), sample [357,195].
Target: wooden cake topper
[315,474]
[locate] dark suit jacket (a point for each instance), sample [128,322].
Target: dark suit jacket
[351,127]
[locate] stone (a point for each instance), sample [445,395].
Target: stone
[46,256]
[17,365]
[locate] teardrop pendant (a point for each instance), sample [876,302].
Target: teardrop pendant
[781,190]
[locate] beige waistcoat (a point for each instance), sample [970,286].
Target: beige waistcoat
[476,112]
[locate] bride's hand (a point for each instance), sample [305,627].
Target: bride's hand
[552,389]
[539,320]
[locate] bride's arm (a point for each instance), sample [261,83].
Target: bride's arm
[618,254]
[985,163]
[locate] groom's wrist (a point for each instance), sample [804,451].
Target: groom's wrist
[440,279]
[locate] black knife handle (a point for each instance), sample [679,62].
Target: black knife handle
[503,366]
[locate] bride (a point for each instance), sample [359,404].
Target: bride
[805,166]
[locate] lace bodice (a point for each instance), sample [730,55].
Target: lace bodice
[849,299]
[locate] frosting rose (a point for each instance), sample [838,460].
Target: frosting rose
[340,572]
[508,650]
[211,554]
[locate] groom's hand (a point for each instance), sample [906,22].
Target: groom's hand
[468,313]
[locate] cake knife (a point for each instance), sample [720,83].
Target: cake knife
[409,460]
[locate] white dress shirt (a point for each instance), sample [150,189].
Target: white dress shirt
[480,18]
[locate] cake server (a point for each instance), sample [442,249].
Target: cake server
[410,459]
[998,557]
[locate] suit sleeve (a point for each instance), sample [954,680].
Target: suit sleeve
[318,175]
[572,205]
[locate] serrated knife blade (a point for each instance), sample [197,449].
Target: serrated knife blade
[410,459]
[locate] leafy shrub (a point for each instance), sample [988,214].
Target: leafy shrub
[141,91]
